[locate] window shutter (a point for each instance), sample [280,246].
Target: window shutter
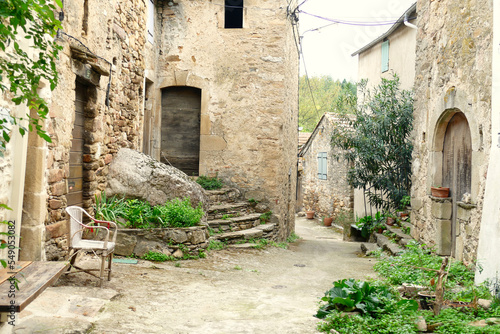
[151,21]
[322,166]
[385,56]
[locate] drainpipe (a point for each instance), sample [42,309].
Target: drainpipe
[408,24]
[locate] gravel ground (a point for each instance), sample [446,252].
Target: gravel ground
[231,291]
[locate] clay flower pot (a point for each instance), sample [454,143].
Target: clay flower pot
[440,192]
[309,214]
[328,221]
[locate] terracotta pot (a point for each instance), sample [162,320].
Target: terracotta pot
[328,221]
[309,214]
[390,221]
[440,192]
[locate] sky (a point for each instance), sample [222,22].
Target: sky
[327,51]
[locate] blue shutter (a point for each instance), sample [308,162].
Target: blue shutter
[385,56]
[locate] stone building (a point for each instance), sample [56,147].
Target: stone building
[324,186]
[210,87]
[455,125]
[391,53]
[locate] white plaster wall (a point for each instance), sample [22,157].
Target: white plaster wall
[489,236]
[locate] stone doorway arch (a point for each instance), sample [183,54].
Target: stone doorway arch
[457,161]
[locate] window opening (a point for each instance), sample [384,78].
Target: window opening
[385,56]
[233,14]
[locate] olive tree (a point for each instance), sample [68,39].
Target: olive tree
[377,143]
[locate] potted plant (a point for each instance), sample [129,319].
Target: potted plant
[327,221]
[439,191]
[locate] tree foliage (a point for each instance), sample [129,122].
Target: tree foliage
[378,144]
[329,96]
[21,73]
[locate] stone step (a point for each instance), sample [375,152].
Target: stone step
[228,210]
[368,248]
[223,195]
[235,223]
[267,231]
[398,232]
[387,245]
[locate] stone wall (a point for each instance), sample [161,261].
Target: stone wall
[333,196]
[249,94]
[115,32]
[453,75]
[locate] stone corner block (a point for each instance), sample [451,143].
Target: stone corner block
[441,210]
[443,236]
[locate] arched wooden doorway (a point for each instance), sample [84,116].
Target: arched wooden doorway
[180,128]
[457,159]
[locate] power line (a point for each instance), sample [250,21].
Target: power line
[356,23]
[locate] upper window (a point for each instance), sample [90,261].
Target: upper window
[322,166]
[233,14]
[385,56]
[151,21]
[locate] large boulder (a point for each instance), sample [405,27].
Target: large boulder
[135,175]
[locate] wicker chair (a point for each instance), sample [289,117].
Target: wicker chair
[104,247]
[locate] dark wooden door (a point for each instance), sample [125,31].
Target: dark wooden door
[75,179]
[180,128]
[457,154]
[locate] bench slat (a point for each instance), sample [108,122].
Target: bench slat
[34,279]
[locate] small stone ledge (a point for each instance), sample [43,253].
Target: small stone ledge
[163,240]
[440,199]
[466,206]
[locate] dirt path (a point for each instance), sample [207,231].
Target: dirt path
[231,291]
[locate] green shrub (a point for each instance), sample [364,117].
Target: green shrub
[156,256]
[181,214]
[209,183]
[350,295]
[140,214]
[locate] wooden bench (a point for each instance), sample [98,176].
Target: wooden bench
[33,279]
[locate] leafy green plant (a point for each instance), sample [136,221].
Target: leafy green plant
[351,295]
[292,237]
[32,20]
[209,183]
[265,217]
[157,256]
[226,216]
[140,214]
[216,245]
[252,201]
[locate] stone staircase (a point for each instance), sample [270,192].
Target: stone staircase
[233,220]
[394,245]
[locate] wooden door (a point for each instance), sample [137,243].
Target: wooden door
[75,179]
[457,153]
[180,128]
